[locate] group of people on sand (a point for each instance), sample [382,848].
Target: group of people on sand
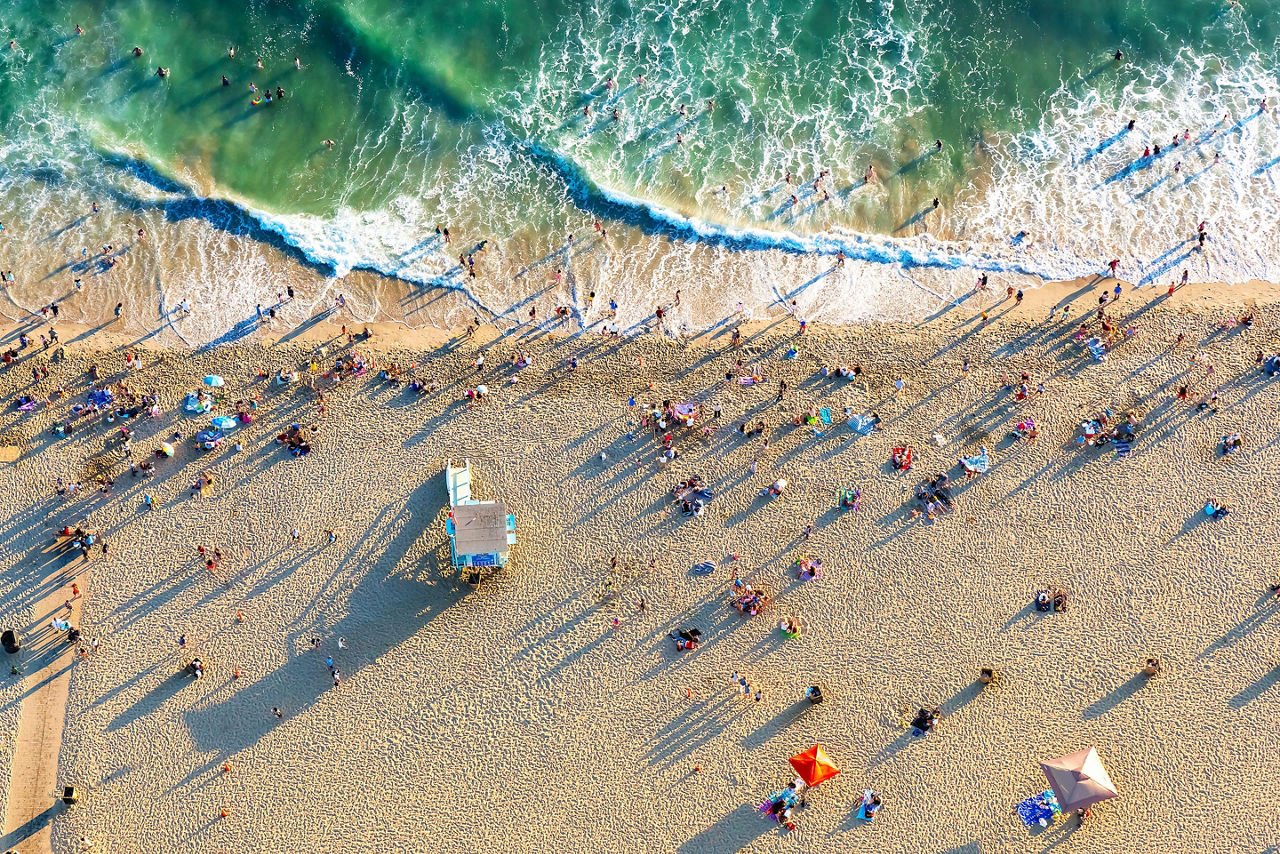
[745,599]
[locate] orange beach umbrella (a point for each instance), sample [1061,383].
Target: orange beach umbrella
[814,765]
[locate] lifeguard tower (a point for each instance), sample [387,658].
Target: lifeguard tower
[481,533]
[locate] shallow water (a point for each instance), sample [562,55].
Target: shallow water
[472,116]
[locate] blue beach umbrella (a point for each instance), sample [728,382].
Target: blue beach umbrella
[215,381]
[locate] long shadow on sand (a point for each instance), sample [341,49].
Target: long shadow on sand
[382,610]
[733,832]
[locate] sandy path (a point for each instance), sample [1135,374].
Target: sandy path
[34,789]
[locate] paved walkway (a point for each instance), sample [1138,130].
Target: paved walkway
[34,791]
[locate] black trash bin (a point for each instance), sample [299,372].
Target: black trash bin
[12,643]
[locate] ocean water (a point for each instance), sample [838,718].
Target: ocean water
[672,125]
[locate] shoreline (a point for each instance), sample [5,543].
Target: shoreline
[1080,294]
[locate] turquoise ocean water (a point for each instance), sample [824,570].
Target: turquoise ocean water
[497,119]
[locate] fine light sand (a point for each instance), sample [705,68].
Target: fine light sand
[515,717]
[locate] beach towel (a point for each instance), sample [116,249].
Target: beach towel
[750,380]
[825,415]
[863,424]
[1097,349]
[979,463]
[1038,809]
[704,568]
[1124,447]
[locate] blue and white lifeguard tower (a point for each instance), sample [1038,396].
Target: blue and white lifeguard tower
[481,533]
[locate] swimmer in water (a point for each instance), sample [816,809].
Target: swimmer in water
[935,203]
[260,63]
[711,105]
[79,30]
[937,145]
[162,72]
[640,80]
[608,84]
[253,87]
[225,81]
[586,111]
[297,63]
[870,174]
[679,138]
[231,52]
[615,114]
[328,143]
[684,111]
[1119,55]
[1132,122]
[137,51]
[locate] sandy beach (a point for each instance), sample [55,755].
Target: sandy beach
[517,716]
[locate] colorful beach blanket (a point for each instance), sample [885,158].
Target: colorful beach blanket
[1038,809]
